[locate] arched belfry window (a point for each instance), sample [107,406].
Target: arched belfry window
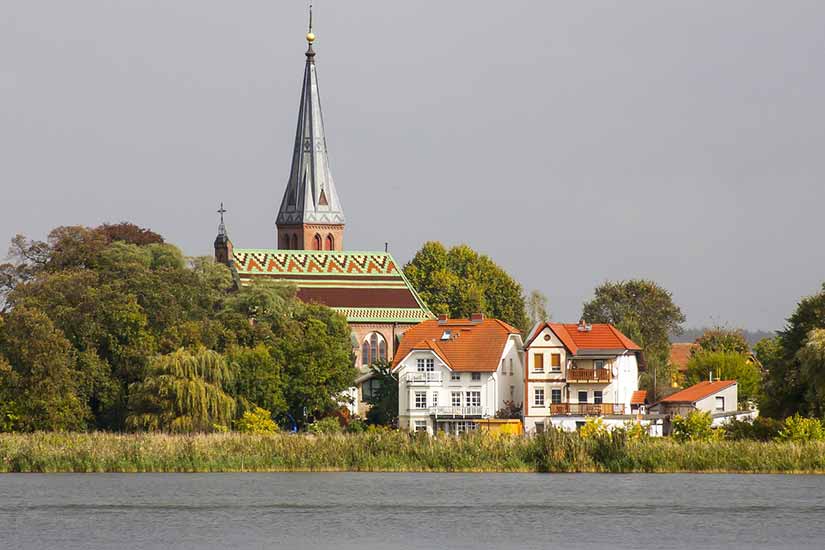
[373,348]
[286,242]
[294,241]
[330,242]
[318,242]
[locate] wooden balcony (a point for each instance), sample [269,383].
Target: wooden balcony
[589,375]
[586,409]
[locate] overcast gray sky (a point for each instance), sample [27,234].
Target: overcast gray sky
[573,142]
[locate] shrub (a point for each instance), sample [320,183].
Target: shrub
[593,427]
[356,426]
[635,431]
[328,425]
[257,421]
[760,429]
[799,429]
[693,427]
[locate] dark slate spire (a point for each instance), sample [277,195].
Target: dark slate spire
[310,196]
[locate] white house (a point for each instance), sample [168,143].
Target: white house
[718,397]
[576,371]
[454,371]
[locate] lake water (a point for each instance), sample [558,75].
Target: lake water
[420,511]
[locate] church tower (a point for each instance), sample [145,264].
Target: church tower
[311,216]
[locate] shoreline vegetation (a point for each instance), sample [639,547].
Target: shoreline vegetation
[393,451]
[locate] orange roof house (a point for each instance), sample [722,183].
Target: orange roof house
[464,345]
[680,354]
[598,337]
[698,391]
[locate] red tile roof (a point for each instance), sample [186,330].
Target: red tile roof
[680,354]
[638,398]
[472,347]
[600,336]
[698,391]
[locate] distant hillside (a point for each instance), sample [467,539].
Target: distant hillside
[691,334]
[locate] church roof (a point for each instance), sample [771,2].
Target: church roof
[310,195]
[366,287]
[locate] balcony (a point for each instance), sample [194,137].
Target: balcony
[430,377]
[589,375]
[586,409]
[458,412]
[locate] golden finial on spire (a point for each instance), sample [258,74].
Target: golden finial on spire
[310,34]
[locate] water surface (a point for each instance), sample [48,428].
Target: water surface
[410,511]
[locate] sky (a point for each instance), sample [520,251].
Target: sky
[572,142]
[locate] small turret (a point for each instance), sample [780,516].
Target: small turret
[223,245]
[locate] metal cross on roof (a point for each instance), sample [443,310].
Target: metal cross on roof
[222,211]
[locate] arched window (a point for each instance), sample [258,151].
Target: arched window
[330,242]
[365,353]
[294,241]
[373,348]
[317,242]
[286,242]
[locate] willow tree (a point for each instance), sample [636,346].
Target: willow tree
[182,392]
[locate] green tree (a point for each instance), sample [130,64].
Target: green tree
[537,307]
[723,339]
[460,281]
[696,426]
[183,392]
[787,388]
[727,365]
[315,350]
[384,398]
[257,379]
[39,374]
[644,312]
[811,359]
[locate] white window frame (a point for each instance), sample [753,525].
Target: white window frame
[420,400]
[598,397]
[425,364]
[435,398]
[455,376]
[420,426]
[476,377]
[553,394]
[473,398]
[538,397]
[719,398]
[455,398]
[596,363]
[511,366]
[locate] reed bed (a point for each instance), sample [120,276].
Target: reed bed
[386,451]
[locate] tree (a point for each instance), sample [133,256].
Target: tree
[38,374]
[384,398]
[183,392]
[723,339]
[537,307]
[315,350]
[727,365]
[787,387]
[129,233]
[645,312]
[257,379]
[460,281]
[811,359]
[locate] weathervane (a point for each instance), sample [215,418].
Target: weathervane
[310,34]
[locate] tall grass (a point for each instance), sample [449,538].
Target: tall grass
[395,451]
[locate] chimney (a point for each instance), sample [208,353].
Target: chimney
[584,326]
[442,319]
[476,317]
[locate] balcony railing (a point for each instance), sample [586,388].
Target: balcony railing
[432,377]
[460,411]
[586,409]
[589,375]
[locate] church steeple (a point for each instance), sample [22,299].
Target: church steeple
[311,216]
